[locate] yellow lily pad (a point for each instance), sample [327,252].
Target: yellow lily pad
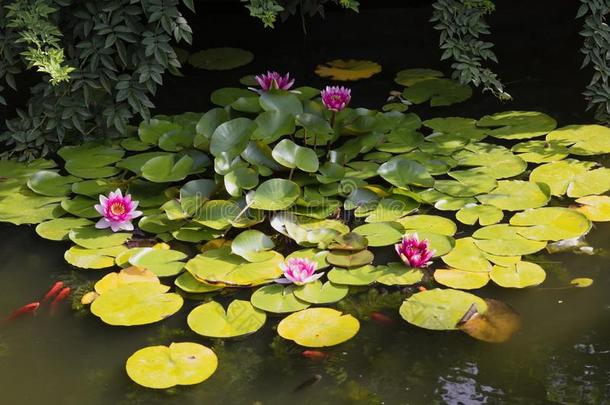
[348,69]
[461,279]
[596,208]
[240,318]
[318,327]
[93,258]
[126,276]
[551,223]
[520,275]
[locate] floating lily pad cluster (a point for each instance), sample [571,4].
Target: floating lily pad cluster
[230,194]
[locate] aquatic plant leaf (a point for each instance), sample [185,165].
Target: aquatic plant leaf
[400,140]
[318,327]
[429,223]
[317,255]
[461,279]
[291,155]
[520,275]
[484,214]
[496,325]
[275,194]
[223,58]
[583,140]
[551,223]
[231,137]
[162,367]
[158,223]
[321,293]
[346,258]
[187,283]
[440,92]
[590,183]
[240,318]
[80,206]
[16,174]
[277,299]
[439,309]
[441,244]
[26,207]
[174,167]
[91,161]
[348,69]
[466,184]
[136,304]
[582,282]
[517,195]
[464,128]
[494,160]
[135,145]
[541,151]
[390,209]
[151,131]
[92,238]
[517,124]
[253,245]
[58,229]
[217,214]
[596,208]
[505,240]
[559,175]
[402,172]
[129,275]
[364,275]
[93,258]
[161,262]
[408,77]
[381,233]
[51,184]
[349,241]
[467,256]
[399,274]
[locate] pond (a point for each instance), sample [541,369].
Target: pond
[560,355]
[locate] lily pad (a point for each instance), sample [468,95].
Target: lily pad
[520,275]
[93,258]
[275,194]
[439,309]
[253,245]
[58,229]
[224,58]
[349,241]
[136,304]
[484,214]
[162,367]
[494,160]
[25,207]
[559,175]
[321,293]
[517,195]
[409,77]
[318,327]
[240,318]
[402,172]
[461,279]
[162,262]
[551,223]
[505,240]
[92,238]
[277,299]
[381,233]
[50,183]
[584,140]
[429,223]
[464,128]
[467,256]
[318,256]
[364,275]
[291,155]
[187,283]
[440,92]
[517,124]
[80,206]
[346,258]
[348,69]
[541,151]
[129,275]
[596,208]
[399,274]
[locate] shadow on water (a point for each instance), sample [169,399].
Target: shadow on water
[561,355]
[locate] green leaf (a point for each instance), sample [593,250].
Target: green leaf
[275,194]
[402,172]
[52,184]
[318,327]
[224,58]
[253,245]
[240,318]
[277,299]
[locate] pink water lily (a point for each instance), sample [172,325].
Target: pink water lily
[299,271]
[117,211]
[414,252]
[336,98]
[274,80]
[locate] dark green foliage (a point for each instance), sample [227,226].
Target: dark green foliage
[268,10]
[461,24]
[99,74]
[595,47]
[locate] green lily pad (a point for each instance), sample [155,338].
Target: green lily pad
[194,193]
[217,214]
[364,275]
[50,183]
[493,160]
[174,167]
[440,92]
[399,274]
[151,131]
[391,208]
[467,256]
[275,194]
[92,238]
[16,174]
[517,195]
[223,58]
[318,327]
[559,175]
[461,279]
[590,183]
[240,318]
[158,223]
[346,258]
[231,137]
[253,245]
[91,161]
[551,223]
[441,244]
[321,293]
[505,240]
[81,207]
[429,223]
[93,258]
[349,241]
[517,124]
[409,77]
[484,214]
[187,283]
[162,367]
[58,229]
[439,309]
[520,275]
[402,172]
[136,304]
[381,233]
[25,207]
[467,184]
[400,140]
[277,299]
[161,262]
[541,151]
[291,155]
[584,140]
[596,208]
[464,128]
[581,282]
[318,256]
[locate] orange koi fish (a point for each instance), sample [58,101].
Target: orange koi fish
[53,291]
[314,354]
[61,296]
[381,318]
[26,309]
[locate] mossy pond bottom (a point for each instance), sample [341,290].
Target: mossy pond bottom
[560,355]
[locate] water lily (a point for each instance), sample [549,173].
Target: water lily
[299,271]
[414,252]
[117,211]
[274,80]
[336,98]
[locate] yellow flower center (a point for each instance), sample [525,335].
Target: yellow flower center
[117,209]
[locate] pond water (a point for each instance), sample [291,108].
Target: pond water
[560,355]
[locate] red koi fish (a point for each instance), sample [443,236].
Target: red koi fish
[314,354]
[381,318]
[53,291]
[26,309]
[61,296]
[421,288]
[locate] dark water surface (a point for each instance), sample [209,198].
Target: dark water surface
[560,356]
